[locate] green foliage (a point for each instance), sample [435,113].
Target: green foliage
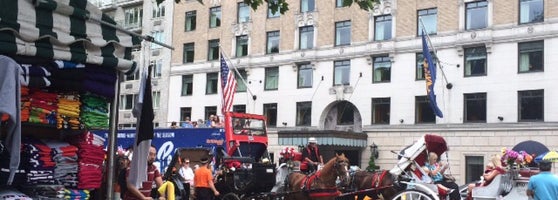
[372,164]
[282,6]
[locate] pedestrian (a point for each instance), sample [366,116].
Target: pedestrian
[203,181]
[543,186]
[153,176]
[187,174]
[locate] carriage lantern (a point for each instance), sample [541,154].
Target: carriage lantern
[374,150]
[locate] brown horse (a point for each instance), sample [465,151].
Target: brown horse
[320,185]
[380,183]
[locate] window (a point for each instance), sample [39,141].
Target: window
[241,45]
[531,11]
[158,11]
[305,75]
[420,67]
[271,78]
[306,37]
[343,33]
[382,69]
[210,110]
[187,85]
[243,13]
[339,3]
[531,105]
[211,84]
[159,37]
[273,42]
[133,17]
[127,101]
[345,113]
[213,50]
[239,108]
[307,6]
[215,17]
[531,56]
[477,15]
[240,86]
[185,112]
[270,112]
[423,111]
[270,13]
[474,168]
[188,53]
[342,72]
[190,21]
[475,107]
[429,18]
[382,27]
[304,113]
[157,68]
[134,76]
[380,110]
[156,97]
[475,61]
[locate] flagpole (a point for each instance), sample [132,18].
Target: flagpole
[236,72]
[449,85]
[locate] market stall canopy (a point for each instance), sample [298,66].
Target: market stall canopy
[64,30]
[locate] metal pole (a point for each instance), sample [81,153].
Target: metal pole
[112,137]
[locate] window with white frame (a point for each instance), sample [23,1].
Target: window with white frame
[273,39]
[475,61]
[157,68]
[188,53]
[243,13]
[241,45]
[211,83]
[156,99]
[382,69]
[158,11]
[304,113]
[476,15]
[305,75]
[127,101]
[190,24]
[270,13]
[382,27]
[342,72]
[339,4]
[187,84]
[429,18]
[307,5]
[213,50]
[133,17]
[159,37]
[474,168]
[342,33]
[423,111]
[531,11]
[474,107]
[240,86]
[531,56]
[270,112]
[381,110]
[271,78]
[306,35]
[215,17]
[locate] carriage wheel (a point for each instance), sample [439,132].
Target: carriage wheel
[412,195]
[230,196]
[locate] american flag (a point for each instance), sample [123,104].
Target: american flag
[228,85]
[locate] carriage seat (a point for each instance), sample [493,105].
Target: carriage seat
[493,190]
[421,177]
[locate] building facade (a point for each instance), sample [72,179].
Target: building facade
[144,18]
[354,78]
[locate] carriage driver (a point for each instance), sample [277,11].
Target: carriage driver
[311,155]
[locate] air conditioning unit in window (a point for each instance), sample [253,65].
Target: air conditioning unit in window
[156,22]
[127,115]
[129,86]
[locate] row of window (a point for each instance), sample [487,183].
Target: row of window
[531,11]
[530,108]
[128,101]
[530,59]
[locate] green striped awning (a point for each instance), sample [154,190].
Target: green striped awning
[64,30]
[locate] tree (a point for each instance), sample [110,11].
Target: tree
[282,6]
[372,164]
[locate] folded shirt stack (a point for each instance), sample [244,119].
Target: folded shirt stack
[66,158]
[94,111]
[91,156]
[43,107]
[68,115]
[36,76]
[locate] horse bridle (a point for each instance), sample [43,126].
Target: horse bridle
[343,164]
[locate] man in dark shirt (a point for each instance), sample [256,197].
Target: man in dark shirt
[311,155]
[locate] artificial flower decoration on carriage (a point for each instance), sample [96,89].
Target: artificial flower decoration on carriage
[288,153]
[511,158]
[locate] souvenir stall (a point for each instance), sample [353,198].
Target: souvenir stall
[59,67]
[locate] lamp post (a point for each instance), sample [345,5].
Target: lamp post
[373,156]
[374,150]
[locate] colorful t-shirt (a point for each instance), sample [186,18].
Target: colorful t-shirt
[544,185]
[202,177]
[438,176]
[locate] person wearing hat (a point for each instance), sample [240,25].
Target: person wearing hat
[203,182]
[311,155]
[543,186]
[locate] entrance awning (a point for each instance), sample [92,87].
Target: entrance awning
[64,30]
[324,137]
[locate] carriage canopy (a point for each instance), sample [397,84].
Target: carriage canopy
[419,152]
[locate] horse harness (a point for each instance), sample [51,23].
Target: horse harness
[378,178]
[307,182]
